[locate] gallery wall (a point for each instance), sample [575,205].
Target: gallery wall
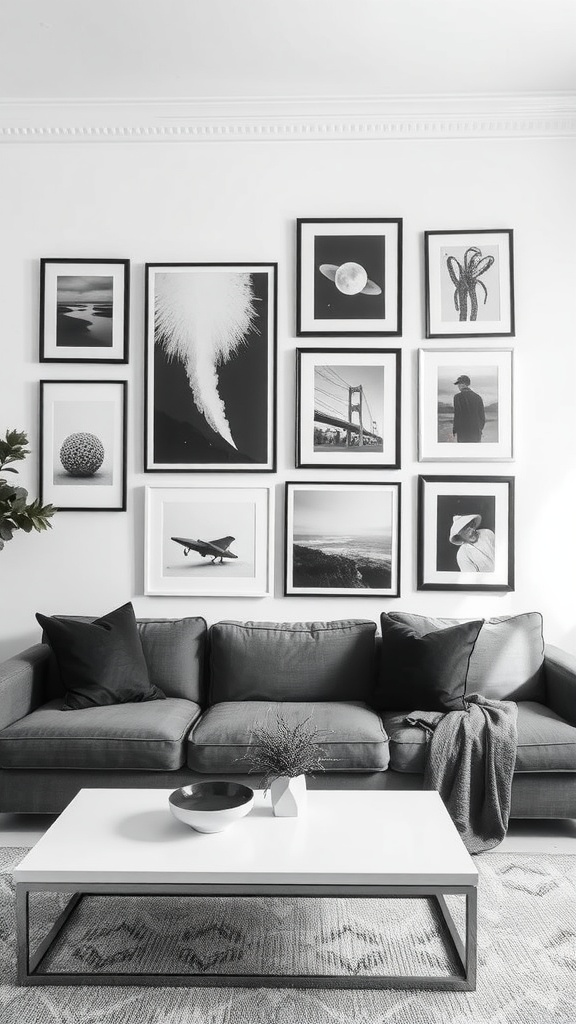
[238,201]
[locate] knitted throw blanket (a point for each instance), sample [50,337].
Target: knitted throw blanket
[470,762]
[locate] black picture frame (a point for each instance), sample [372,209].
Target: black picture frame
[456,265]
[84,310]
[318,525]
[208,407]
[348,408]
[83,444]
[349,277]
[482,504]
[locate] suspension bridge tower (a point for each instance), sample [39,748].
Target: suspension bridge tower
[355,399]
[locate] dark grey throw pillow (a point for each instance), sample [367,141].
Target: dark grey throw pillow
[424,672]
[100,662]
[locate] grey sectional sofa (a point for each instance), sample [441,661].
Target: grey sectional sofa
[220,683]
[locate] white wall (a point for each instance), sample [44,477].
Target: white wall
[238,201]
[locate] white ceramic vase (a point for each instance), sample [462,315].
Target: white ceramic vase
[288,796]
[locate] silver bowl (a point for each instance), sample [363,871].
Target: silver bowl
[211,806]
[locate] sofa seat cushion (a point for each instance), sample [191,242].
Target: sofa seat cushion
[147,736]
[348,731]
[546,743]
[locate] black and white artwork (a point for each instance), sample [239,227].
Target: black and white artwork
[348,408]
[210,358]
[349,277]
[84,311]
[343,539]
[212,541]
[469,283]
[465,533]
[83,445]
[465,405]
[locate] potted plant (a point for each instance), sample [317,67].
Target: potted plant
[284,753]
[16,512]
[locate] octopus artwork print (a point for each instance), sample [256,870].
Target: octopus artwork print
[211,339]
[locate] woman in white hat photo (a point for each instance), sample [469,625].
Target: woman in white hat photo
[475,546]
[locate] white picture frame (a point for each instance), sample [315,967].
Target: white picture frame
[465,405]
[240,518]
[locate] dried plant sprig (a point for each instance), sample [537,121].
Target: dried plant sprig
[284,748]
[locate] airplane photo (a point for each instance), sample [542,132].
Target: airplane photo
[216,548]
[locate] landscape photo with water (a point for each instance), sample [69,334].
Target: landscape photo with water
[84,306]
[344,538]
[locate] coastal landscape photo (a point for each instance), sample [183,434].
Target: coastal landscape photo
[343,539]
[84,311]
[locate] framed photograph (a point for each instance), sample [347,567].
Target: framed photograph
[348,408]
[343,539]
[465,533]
[209,541]
[469,284]
[84,308]
[210,367]
[465,405]
[349,277]
[83,445]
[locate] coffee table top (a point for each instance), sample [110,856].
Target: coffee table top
[344,837]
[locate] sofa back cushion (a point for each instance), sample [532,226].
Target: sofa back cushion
[174,651]
[507,662]
[291,661]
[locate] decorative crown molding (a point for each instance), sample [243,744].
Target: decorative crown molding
[289,118]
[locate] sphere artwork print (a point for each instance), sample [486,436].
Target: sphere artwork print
[82,454]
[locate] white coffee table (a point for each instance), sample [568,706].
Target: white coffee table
[348,844]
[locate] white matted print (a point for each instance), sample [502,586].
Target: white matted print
[348,408]
[209,541]
[465,405]
[343,539]
[469,283]
[349,277]
[83,445]
[84,311]
[465,533]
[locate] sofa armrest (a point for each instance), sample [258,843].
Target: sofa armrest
[561,682]
[22,683]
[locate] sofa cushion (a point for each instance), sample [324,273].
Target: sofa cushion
[425,672]
[174,650]
[299,661]
[546,743]
[149,736]
[348,731]
[507,662]
[100,662]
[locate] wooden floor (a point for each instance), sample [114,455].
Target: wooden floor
[530,835]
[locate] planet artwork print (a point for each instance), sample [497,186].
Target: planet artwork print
[84,311]
[349,277]
[211,366]
[342,539]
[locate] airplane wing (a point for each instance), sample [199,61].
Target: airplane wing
[222,543]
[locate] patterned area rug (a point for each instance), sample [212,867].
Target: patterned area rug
[526,969]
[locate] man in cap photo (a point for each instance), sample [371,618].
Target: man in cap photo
[469,415]
[475,547]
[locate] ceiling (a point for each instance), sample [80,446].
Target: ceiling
[202,49]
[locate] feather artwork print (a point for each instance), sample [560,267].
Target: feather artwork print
[203,320]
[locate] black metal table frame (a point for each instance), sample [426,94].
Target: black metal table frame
[464,949]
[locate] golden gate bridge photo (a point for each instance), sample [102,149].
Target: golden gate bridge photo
[343,418]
